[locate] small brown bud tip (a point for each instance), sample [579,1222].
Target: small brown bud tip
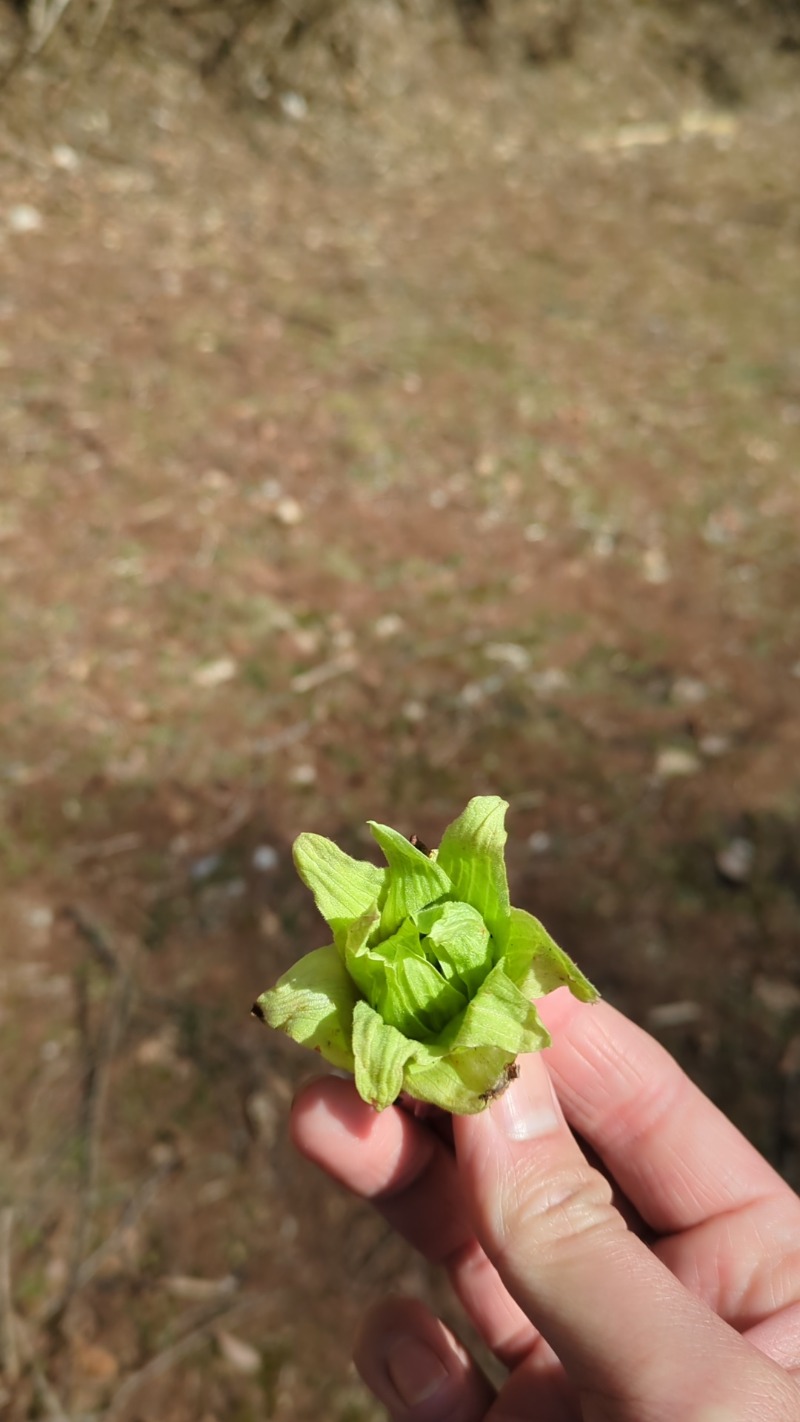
[257,1011]
[417,843]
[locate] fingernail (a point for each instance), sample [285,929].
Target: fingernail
[528,1108]
[415,1370]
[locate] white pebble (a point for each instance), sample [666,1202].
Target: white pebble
[735,860]
[215,673]
[265,858]
[24,218]
[674,761]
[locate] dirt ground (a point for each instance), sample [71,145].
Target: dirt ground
[435,433]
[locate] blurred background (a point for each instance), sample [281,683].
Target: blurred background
[400,400]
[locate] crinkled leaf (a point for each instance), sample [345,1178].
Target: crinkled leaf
[413,879]
[499,1015]
[459,939]
[343,888]
[381,1053]
[463,1083]
[313,1003]
[415,996]
[363,966]
[537,965]
[471,853]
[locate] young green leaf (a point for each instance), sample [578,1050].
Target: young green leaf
[471,854]
[457,937]
[343,888]
[313,1004]
[381,1053]
[537,965]
[413,880]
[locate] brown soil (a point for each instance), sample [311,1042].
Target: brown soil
[442,438]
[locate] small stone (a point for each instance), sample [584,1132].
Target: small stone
[548,680]
[414,711]
[534,533]
[262,1115]
[39,918]
[215,673]
[306,640]
[265,859]
[205,868]
[240,1356]
[603,544]
[540,842]
[778,995]
[714,744]
[294,106]
[160,1050]
[304,774]
[65,158]
[673,762]
[24,218]
[735,860]
[688,691]
[655,568]
[674,1014]
[511,653]
[191,1289]
[388,625]
[438,498]
[288,512]
[472,694]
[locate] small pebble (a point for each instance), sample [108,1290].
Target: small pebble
[688,691]
[414,711]
[24,218]
[735,860]
[204,868]
[511,653]
[65,158]
[548,680]
[288,512]
[714,745]
[674,761]
[265,858]
[294,106]
[655,568]
[388,625]
[215,673]
[304,774]
[674,1014]
[540,842]
[778,995]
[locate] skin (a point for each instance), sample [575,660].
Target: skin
[650,1273]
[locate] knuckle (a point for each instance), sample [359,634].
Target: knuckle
[568,1209]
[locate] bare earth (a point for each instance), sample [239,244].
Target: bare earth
[441,438]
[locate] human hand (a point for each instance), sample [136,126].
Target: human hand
[660,1285]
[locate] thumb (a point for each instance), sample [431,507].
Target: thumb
[627,1332]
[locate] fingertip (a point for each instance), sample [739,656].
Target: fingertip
[327,1115]
[416,1367]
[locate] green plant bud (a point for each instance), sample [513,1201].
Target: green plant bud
[428,984]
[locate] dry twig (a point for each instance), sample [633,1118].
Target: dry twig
[9,1356]
[168,1357]
[99,1052]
